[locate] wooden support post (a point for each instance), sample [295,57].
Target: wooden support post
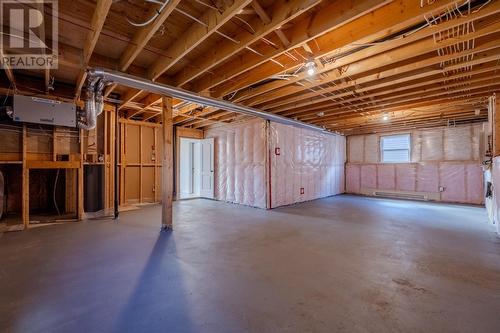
[80,179]
[141,162]
[122,162]
[167,162]
[155,130]
[26,184]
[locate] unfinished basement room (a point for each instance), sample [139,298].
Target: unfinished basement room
[214,166]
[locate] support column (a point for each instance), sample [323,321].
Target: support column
[167,164]
[26,183]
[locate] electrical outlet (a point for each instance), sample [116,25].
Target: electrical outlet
[441,188]
[301,190]
[277,151]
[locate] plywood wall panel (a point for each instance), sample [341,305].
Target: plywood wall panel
[132,190]
[132,144]
[148,184]
[148,145]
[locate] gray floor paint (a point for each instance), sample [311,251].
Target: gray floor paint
[345,263]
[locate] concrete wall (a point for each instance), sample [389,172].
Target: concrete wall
[445,166]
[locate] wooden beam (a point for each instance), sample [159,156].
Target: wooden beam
[25,206]
[100,13]
[435,100]
[359,97]
[35,164]
[370,58]
[266,19]
[334,28]
[9,72]
[167,165]
[142,37]
[283,11]
[194,36]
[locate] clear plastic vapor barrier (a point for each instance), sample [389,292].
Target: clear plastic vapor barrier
[240,162]
[267,165]
[305,164]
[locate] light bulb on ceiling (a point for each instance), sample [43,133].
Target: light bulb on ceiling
[385,117]
[311,68]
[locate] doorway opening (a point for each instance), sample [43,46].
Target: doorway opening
[196,170]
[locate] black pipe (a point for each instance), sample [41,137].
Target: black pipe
[117,146]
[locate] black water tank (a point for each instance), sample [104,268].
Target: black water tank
[93,189]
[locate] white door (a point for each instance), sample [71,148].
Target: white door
[207,168]
[189,171]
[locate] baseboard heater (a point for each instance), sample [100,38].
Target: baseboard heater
[398,195]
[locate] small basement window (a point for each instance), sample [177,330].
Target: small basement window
[395,148]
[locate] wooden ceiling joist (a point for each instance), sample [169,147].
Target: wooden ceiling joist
[371,57]
[355,96]
[100,13]
[378,24]
[282,12]
[366,61]
[9,72]
[141,39]
[335,15]
[195,36]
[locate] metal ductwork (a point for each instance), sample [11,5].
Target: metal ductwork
[109,76]
[94,104]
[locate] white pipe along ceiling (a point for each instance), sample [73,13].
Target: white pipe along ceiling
[109,76]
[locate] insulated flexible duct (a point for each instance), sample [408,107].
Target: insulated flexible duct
[94,104]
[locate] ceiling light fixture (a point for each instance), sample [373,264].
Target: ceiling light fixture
[385,117]
[311,68]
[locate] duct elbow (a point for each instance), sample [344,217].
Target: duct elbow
[94,104]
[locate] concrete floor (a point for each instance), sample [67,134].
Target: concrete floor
[344,263]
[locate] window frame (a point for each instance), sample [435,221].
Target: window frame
[382,150]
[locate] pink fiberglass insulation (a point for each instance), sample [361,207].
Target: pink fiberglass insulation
[305,164]
[428,177]
[452,179]
[386,176]
[353,178]
[406,177]
[445,164]
[240,163]
[369,176]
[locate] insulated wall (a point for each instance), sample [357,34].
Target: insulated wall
[240,162]
[305,164]
[445,166]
